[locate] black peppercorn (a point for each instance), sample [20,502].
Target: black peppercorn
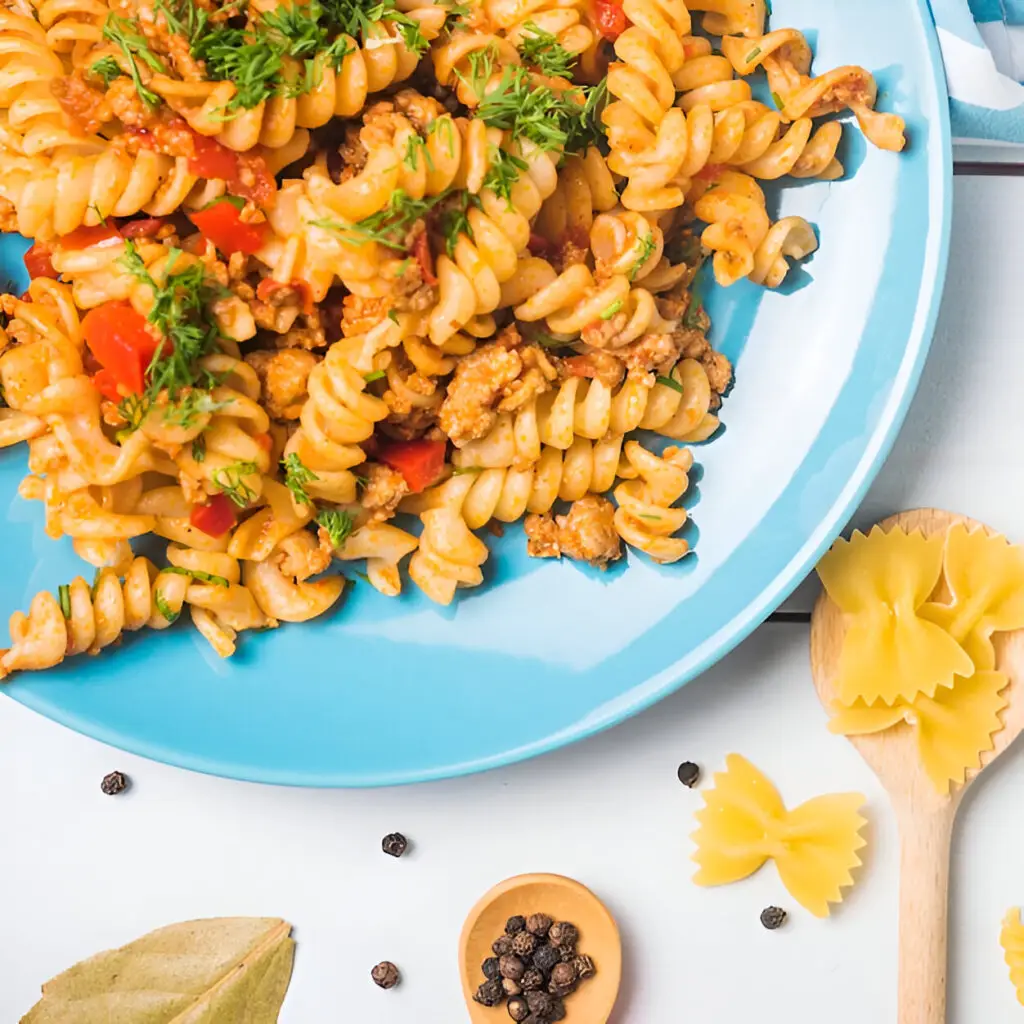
[490,993]
[538,924]
[561,933]
[514,925]
[567,954]
[114,783]
[539,1004]
[557,1011]
[560,991]
[511,967]
[689,774]
[490,968]
[511,987]
[545,958]
[385,974]
[584,966]
[502,946]
[523,944]
[394,844]
[517,1008]
[773,917]
[531,980]
[563,974]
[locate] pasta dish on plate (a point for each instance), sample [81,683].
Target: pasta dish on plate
[300,268]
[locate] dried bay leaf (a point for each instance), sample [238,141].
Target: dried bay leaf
[224,970]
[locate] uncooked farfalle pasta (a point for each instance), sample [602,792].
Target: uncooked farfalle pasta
[326,282]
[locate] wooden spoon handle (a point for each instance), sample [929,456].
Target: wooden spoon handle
[924,888]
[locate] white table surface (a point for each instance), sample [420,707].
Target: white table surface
[80,872]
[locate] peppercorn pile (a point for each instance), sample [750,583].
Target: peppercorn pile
[535,966]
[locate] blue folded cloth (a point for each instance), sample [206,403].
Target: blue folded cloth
[983,49]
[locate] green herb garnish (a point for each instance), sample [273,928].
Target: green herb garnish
[122,33]
[416,145]
[230,480]
[388,226]
[778,100]
[199,449]
[165,609]
[504,173]
[753,55]
[669,382]
[107,70]
[455,221]
[610,311]
[374,375]
[543,50]
[198,574]
[338,523]
[647,247]
[296,476]
[64,598]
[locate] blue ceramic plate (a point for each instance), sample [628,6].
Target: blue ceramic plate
[388,691]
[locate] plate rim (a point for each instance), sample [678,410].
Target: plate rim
[676,675]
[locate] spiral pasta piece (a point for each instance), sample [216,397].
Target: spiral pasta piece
[645,518]
[449,555]
[32,122]
[336,418]
[383,546]
[732,17]
[645,135]
[786,58]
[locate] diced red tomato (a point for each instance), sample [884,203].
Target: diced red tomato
[266,288]
[420,462]
[117,336]
[145,227]
[611,19]
[212,160]
[421,250]
[222,224]
[215,518]
[264,440]
[84,237]
[106,384]
[37,261]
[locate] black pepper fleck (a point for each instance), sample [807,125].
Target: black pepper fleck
[511,967]
[523,944]
[385,974]
[518,1009]
[490,993]
[394,844]
[545,958]
[773,917]
[114,783]
[584,966]
[538,924]
[531,980]
[539,1003]
[689,774]
[514,925]
[561,933]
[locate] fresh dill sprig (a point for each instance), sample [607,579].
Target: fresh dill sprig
[455,221]
[504,173]
[388,226]
[586,128]
[64,599]
[106,69]
[543,50]
[296,476]
[415,145]
[338,523]
[647,246]
[230,481]
[123,34]
[669,382]
[181,315]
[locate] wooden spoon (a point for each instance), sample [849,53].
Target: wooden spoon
[563,900]
[925,816]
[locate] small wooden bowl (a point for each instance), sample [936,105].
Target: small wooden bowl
[563,900]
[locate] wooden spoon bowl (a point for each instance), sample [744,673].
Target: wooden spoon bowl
[563,900]
[925,816]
